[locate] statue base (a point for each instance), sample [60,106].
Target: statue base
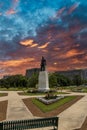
[43,82]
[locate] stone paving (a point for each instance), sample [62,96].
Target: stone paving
[74,116]
[16,108]
[70,119]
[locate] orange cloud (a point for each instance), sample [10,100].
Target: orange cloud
[11,11]
[85,57]
[69,54]
[34,45]
[12,67]
[73,52]
[56,49]
[45,50]
[44,46]
[15,63]
[27,42]
[76,61]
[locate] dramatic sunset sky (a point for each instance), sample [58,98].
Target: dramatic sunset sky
[30,29]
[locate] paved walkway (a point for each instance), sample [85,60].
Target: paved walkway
[70,119]
[74,116]
[16,108]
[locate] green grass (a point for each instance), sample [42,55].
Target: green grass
[3,94]
[31,94]
[39,93]
[12,89]
[84,90]
[47,108]
[79,89]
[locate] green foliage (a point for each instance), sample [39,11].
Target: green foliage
[51,95]
[55,80]
[33,81]
[34,93]
[63,80]
[3,94]
[85,82]
[81,89]
[52,80]
[77,80]
[19,81]
[50,107]
[14,81]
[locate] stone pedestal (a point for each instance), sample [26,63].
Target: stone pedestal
[43,81]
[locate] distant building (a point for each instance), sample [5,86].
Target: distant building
[6,76]
[71,73]
[32,71]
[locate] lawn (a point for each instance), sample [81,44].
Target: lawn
[47,108]
[3,94]
[36,111]
[12,89]
[39,93]
[79,89]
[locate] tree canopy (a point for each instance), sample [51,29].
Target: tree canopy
[55,80]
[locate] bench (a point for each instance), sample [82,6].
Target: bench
[30,124]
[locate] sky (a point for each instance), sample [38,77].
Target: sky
[30,29]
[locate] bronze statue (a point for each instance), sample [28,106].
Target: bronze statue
[43,64]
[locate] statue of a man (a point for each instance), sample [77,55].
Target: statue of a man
[43,64]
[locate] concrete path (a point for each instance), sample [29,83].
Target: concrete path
[16,108]
[74,116]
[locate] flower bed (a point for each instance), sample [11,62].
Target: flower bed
[49,101]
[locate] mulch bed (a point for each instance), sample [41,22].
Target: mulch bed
[3,109]
[84,125]
[37,112]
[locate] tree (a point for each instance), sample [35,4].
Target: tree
[63,80]
[77,80]
[14,81]
[52,80]
[33,81]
